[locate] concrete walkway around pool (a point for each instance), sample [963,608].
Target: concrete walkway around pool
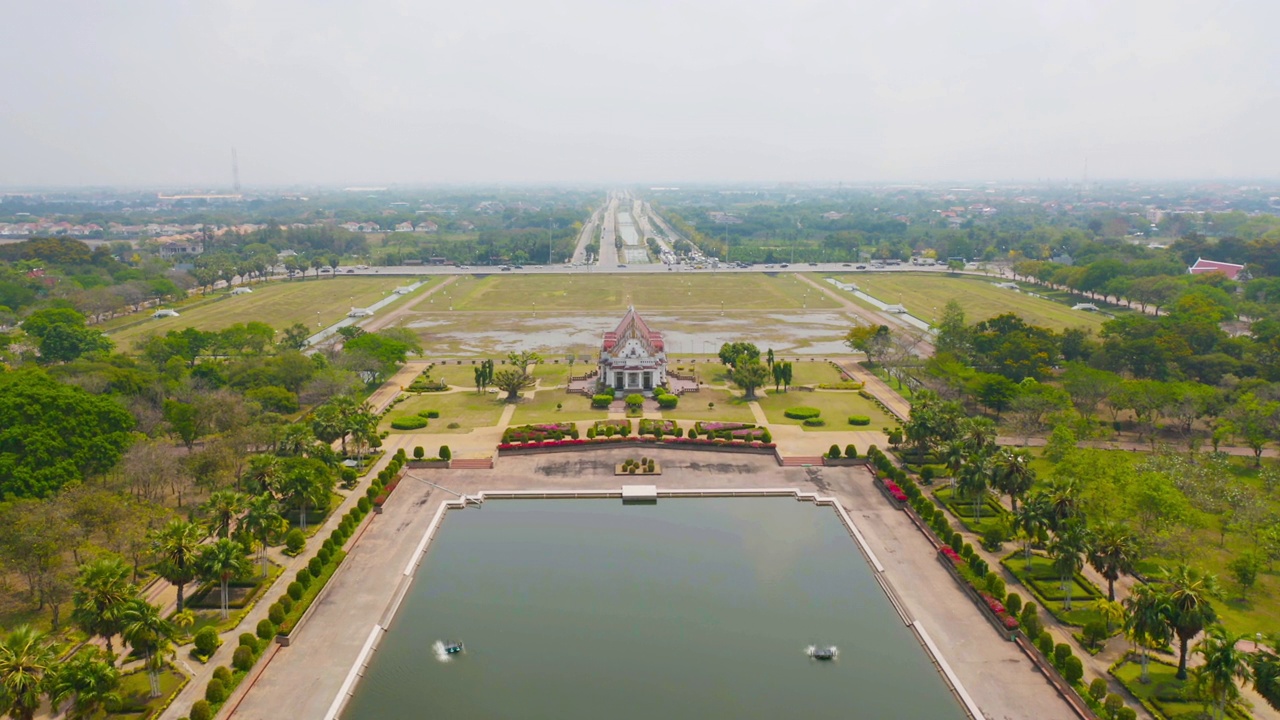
[306,676]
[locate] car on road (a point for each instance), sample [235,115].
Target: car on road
[845,265]
[859,267]
[518,267]
[362,267]
[813,264]
[621,265]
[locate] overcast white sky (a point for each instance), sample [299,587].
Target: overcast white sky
[401,91]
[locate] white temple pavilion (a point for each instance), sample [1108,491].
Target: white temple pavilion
[633,358]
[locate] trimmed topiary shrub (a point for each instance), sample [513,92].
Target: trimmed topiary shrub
[315,565]
[1072,669]
[833,451]
[409,422]
[200,710]
[668,402]
[1061,652]
[1126,713]
[859,420]
[433,414]
[364,504]
[418,452]
[303,578]
[445,453]
[850,451]
[802,413]
[1044,643]
[275,614]
[206,641]
[215,692]
[814,422]
[242,658]
[1013,603]
[249,640]
[223,673]
[957,542]
[266,629]
[295,542]
[1098,689]
[601,401]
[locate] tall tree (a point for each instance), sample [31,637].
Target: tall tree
[874,340]
[1190,610]
[1147,621]
[222,509]
[1225,664]
[103,591]
[262,522]
[954,336]
[1013,475]
[177,545]
[26,661]
[147,632]
[1113,550]
[303,483]
[1068,548]
[1033,520]
[749,375]
[223,561]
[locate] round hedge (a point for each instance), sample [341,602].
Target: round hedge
[223,673]
[249,640]
[315,565]
[242,658]
[802,413]
[275,614]
[206,641]
[266,629]
[286,602]
[409,422]
[200,710]
[814,422]
[859,420]
[215,691]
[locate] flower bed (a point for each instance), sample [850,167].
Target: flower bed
[892,491]
[538,433]
[668,428]
[609,428]
[710,427]
[619,440]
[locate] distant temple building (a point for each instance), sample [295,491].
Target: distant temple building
[633,358]
[1231,270]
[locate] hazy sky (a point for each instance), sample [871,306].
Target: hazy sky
[402,91]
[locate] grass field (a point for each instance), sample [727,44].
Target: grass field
[541,408]
[925,294]
[836,407]
[694,406]
[1163,687]
[135,692]
[651,291]
[466,408]
[278,304]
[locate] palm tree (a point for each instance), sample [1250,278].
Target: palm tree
[149,633]
[302,483]
[1067,549]
[223,507]
[1224,664]
[102,592]
[973,483]
[90,680]
[1113,550]
[953,455]
[1032,520]
[1189,591]
[1147,623]
[1266,671]
[222,561]
[262,472]
[25,662]
[262,521]
[1014,475]
[1111,612]
[1063,499]
[177,544]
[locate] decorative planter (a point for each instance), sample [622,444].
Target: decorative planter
[843,462]
[898,504]
[419,464]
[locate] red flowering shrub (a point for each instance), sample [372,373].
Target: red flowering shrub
[996,606]
[1010,622]
[951,555]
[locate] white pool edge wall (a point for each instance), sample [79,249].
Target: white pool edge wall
[379,628]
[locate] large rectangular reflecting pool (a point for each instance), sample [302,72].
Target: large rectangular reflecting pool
[690,608]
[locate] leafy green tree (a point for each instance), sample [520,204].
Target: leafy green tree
[1113,550]
[874,340]
[512,381]
[223,561]
[177,546]
[148,633]
[954,336]
[89,680]
[1032,520]
[185,421]
[1012,474]
[72,435]
[1147,623]
[1265,664]
[26,663]
[1190,611]
[1225,664]
[295,337]
[736,352]
[1255,422]
[103,591]
[975,476]
[1245,568]
[749,375]
[993,391]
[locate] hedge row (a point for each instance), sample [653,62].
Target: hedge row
[226,679]
[802,413]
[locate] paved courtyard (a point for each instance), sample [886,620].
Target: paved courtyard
[306,676]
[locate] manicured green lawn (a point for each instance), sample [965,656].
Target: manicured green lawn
[693,406]
[748,291]
[278,303]
[813,372]
[836,407]
[541,408]
[925,295]
[1163,690]
[467,408]
[135,692]
[991,514]
[1044,582]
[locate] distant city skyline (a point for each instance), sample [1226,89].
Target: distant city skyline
[392,92]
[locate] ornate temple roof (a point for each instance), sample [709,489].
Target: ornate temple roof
[634,326]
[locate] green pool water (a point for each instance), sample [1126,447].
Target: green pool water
[690,608]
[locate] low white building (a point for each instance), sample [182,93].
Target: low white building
[164,313]
[633,358]
[360,312]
